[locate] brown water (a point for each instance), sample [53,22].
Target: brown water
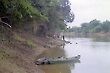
[95,57]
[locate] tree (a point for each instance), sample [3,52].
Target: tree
[18,10]
[106,26]
[57,11]
[94,26]
[54,14]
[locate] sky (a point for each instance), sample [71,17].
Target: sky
[87,10]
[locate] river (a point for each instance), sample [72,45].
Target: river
[95,56]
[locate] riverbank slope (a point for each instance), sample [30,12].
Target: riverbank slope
[18,51]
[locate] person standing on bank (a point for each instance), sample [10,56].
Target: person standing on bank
[63,37]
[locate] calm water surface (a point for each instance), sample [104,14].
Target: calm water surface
[95,57]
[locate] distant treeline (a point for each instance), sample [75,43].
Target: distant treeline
[94,26]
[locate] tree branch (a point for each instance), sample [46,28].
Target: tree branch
[5,23]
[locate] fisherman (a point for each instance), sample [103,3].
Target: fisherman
[63,37]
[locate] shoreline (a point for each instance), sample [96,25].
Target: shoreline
[18,54]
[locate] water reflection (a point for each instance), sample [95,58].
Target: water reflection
[95,56]
[72,65]
[57,68]
[101,39]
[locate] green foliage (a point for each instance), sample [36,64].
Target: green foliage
[54,13]
[3,54]
[30,43]
[19,10]
[57,11]
[18,38]
[94,26]
[106,26]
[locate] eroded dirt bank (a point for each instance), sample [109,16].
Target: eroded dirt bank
[18,51]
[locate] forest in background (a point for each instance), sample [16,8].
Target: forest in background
[92,27]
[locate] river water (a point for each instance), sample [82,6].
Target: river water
[95,56]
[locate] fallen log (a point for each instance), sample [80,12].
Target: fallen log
[43,61]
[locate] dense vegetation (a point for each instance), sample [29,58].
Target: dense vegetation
[94,26]
[54,14]
[19,20]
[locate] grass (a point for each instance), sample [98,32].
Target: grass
[3,54]
[17,37]
[31,43]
